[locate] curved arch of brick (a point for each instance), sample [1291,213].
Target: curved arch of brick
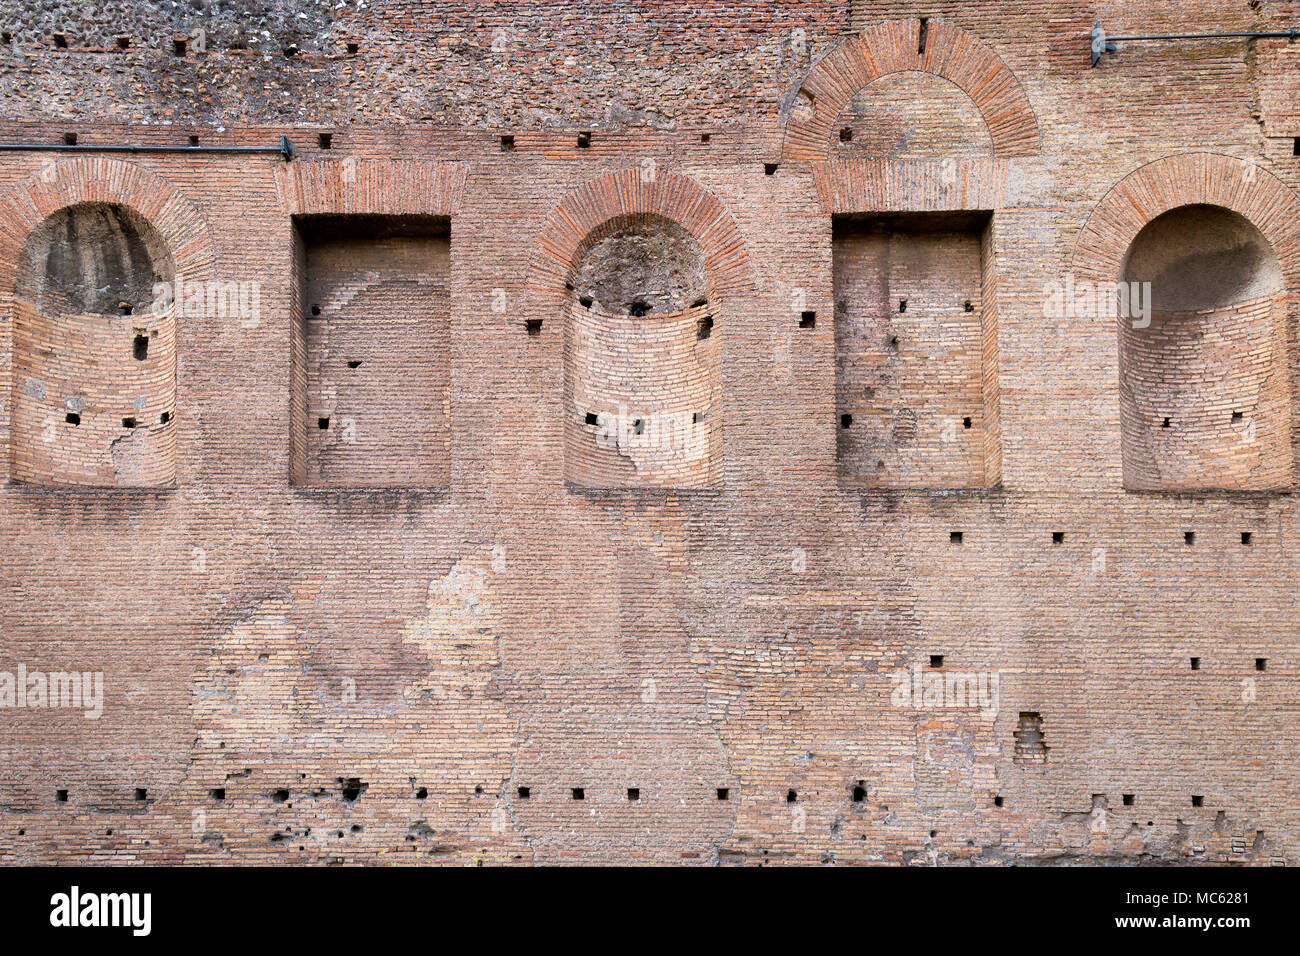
[567,230]
[891,47]
[98,179]
[1184,180]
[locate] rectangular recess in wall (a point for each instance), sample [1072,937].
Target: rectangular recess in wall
[919,383]
[372,351]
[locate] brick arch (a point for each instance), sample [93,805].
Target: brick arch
[569,229]
[98,179]
[891,47]
[1189,179]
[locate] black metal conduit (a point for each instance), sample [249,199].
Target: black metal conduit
[1104,44]
[285,149]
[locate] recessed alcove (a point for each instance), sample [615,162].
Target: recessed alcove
[94,347]
[1204,387]
[371,370]
[642,360]
[915,350]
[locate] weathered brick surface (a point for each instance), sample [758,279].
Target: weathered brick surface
[310,674]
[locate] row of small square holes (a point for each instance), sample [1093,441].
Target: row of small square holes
[61,796]
[723,793]
[507,142]
[1058,537]
[180,45]
[1127,799]
[1261,663]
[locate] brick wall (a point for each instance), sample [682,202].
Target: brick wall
[295,673]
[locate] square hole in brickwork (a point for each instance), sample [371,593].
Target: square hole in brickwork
[769,169]
[1195,663]
[584,140]
[165,417]
[1198,800]
[1295,146]
[1189,537]
[1165,423]
[966,422]
[859,792]
[1030,745]
[352,788]
[704,137]
[141,793]
[507,143]
[60,41]
[72,418]
[353,48]
[633,793]
[533,326]
[325,140]
[69,139]
[578,793]
[6,37]
[724,793]
[524,793]
[968,306]
[61,796]
[140,347]
[791,796]
[280,796]
[846,420]
[178,47]
[955,537]
[1245,537]
[846,134]
[128,423]
[217,793]
[936,660]
[807,320]
[1058,537]
[387,280]
[592,418]
[1261,663]
[902,305]
[997,800]
[422,793]
[704,328]
[1127,799]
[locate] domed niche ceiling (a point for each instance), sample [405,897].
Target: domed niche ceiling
[642,361]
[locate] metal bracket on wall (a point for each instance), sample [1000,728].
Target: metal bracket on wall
[285,149]
[1104,44]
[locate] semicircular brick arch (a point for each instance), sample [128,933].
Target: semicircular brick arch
[1189,179]
[98,179]
[892,47]
[569,228]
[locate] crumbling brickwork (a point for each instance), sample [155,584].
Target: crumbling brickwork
[471,633]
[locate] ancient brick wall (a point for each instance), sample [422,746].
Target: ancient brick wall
[1009,654]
